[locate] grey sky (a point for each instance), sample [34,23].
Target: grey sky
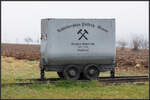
[22,19]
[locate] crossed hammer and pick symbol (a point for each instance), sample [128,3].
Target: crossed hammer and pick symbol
[82,32]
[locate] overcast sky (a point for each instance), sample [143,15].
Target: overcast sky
[22,19]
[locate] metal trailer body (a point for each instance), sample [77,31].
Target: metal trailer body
[78,42]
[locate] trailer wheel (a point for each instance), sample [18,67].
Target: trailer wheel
[71,72]
[91,72]
[60,74]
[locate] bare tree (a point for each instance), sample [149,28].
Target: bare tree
[28,40]
[144,43]
[122,44]
[139,42]
[136,42]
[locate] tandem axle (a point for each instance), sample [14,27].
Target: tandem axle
[77,71]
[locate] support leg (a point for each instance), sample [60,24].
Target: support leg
[42,73]
[112,73]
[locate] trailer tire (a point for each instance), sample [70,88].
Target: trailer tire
[71,72]
[91,72]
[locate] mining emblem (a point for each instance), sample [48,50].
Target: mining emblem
[83,33]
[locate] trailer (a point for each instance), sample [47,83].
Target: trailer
[78,48]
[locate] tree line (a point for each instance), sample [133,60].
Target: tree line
[137,42]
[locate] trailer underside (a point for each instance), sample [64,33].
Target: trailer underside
[78,71]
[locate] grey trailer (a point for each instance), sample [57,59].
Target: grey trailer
[78,48]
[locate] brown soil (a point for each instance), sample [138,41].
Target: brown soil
[125,58]
[21,51]
[130,58]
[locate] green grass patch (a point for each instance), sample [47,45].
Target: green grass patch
[78,90]
[13,69]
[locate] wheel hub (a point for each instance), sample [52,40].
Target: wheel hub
[91,71]
[72,72]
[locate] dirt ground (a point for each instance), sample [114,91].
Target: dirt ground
[126,58]
[21,51]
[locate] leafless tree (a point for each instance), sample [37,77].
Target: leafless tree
[122,44]
[139,42]
[28,40]
[144,43]
[136,42]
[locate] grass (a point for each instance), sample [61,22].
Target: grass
[13,69]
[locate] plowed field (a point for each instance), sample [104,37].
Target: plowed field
[125,58]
